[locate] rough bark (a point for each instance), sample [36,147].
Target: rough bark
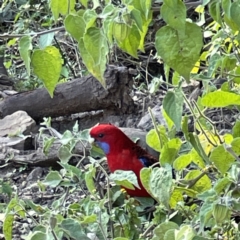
[79,95]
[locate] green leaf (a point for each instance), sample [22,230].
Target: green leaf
[46,40]
[131,43]
[89,176]
[215,11]
[64,154]
[36,207]
[136,15]
[236,129]
[6,188]
[8,226]
[203,184]
[170,151]
[180,52]
[94,50]
[127,179]
[47,65]
[234,12]
[161,184]
[236,145]
[145,174]
[176,197]
[25,45]
[222,159]
[222,184]
[61,7]
[47,144]
[220,99]
[38,235]
[53,179]
[186,232]
[73,229]
[182,162]
[153,141]
[161,229]
[75,25]
[174,14]
[67,137]
[173,106]
[194,140]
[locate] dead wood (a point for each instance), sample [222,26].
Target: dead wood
[79,95]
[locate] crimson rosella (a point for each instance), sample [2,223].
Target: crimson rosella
[122,153]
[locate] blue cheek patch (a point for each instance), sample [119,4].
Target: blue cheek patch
[145,162]
[104,146]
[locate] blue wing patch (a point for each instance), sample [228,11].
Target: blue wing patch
[145,161]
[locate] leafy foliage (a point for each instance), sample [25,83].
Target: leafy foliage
[201,199]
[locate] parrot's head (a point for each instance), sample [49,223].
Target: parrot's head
[107,137]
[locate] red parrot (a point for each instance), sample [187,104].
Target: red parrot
[122,153]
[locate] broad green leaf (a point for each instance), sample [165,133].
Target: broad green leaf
[89,176]
[194,140]
[234,12]
[170,235]
[161,229]
[196,158]
[186,232]
[153,140]
[236,145]
[47,144]
[236,73]
[61,7]
[90,17]
[145,27]
[53,179]
[66,137]
[236,129]
[131,43]
[168,120]
[174,14]
[25,45]
[145,174]
[46,40]
[84,3]
[202,184]
[127,179]
[180,52]
[161,184]
[220,99]
[221,159]
[47,65]
[8,226]
[136,15]
[94,49]
[36,207]
[173,106]
[73,229]
[175,198]
[182,162]
[64,154]
[215,11]
[89,219]
[170,151]
[222,184]
[38,235]
[75,25]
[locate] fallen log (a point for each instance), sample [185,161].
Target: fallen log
[79,95]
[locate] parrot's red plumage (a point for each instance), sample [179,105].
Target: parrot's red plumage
[122,153]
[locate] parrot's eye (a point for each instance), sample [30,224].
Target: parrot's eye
[100,135]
